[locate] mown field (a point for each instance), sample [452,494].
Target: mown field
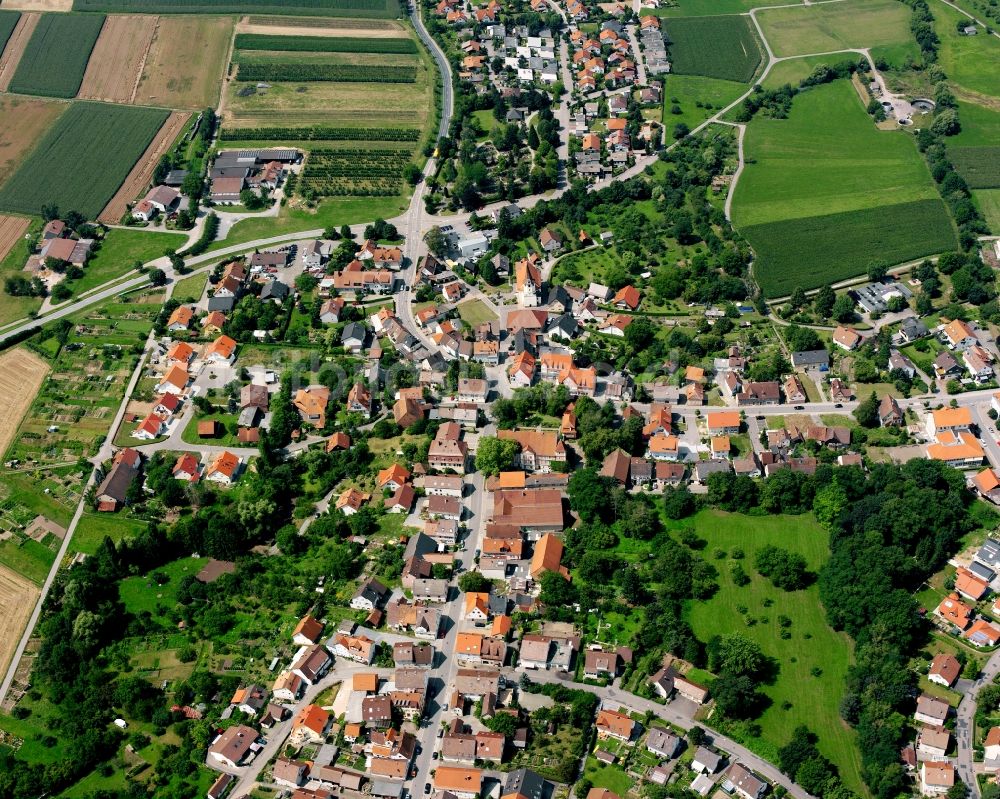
[73,165]
[318,8]
[798,696]
[813,251]
[697,97]
[56,58]
[702,8]
[323,44]
[980,166]
[795,70]
[989,204]
[186,62]
[824,192]
[23,121]
[826,158]
[724,47]
[971,63]
[823,28]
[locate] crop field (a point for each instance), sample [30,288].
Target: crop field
[308,8]
[823,28]
[250,70]
[321,44]
[23,121]
[989,204]
[116,64]
[84,389]
[21,375]
[12,228]
[980,166]
[320,133]
[972,63]
[724,47]
[859,167]
[812,251]
[798,696]
[186,62]
[8,21]
[142,173]
[10,54]
[331,173]
[56,56]
[17,600]
[73,165]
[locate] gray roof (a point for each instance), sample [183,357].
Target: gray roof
[989,553]
[275,290]
[913,328]
[811,358]
[525,782]
[223,304]
[704,468]
[355,331]
[708,758]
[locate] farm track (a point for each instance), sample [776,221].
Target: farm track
[142,173]
[116,63]
[15,47]
[11,230]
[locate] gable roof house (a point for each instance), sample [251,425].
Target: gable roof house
[612,724]
[113,488]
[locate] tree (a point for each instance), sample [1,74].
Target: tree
[436,241]
[473,582]
[557,590]
[946,123]
[678,502]
[590,495]
[787,570]
[877,270]
[823,303]
[495,455]
[843,309]
[867,412]
[157,277]
[640,333]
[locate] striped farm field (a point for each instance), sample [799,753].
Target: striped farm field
[141,176]
[186,62]
[83,159]
[8,21]
[980,166]
[56,57]
[324,44]
[308,8]
[17,41]
[724,47]
[115,66]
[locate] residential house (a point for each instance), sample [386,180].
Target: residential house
[235,746]
[945,670]
[311,725]
[612,724]
[746,785]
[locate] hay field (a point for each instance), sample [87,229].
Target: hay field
[116,64]
[186,62]
[37,5]
[15,47]
[142,173]
[836,26]
[291,26]
[17,600]
[21,375]
[23,121]
[11,230]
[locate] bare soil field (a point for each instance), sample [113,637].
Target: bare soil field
[15,47]
[11,230]
[21,375]
[186,62]
[116,64]
[37,5]
[138,179]
[17,600]
[23,120]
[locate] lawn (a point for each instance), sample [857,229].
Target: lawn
[724,47]
[613,778]
[225,423]
[191,288]
[120,250]
[823,28]
[13,308]
[697,97]
[702,8]
[971,62]
[141,593]
[989,204]
[30,558]
[92,529]
[794,70]
[797,696]
[475,313]
[980,126]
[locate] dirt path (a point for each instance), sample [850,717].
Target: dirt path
[15,47]
[138,179]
